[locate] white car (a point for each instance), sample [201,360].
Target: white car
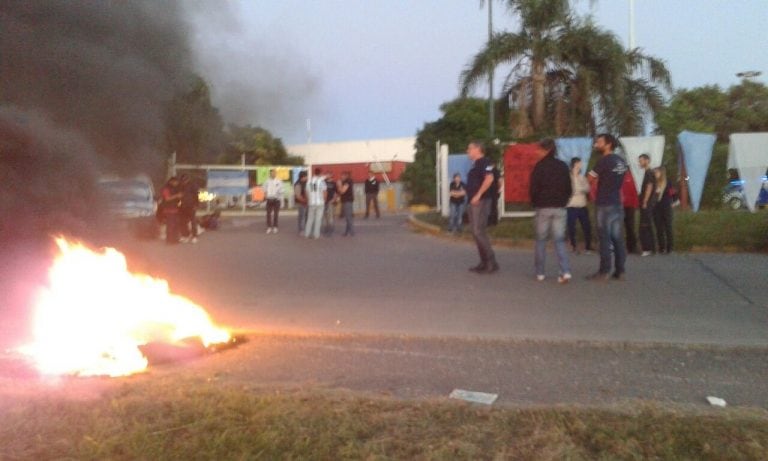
[132,201]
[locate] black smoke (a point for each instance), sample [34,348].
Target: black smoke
[83,90]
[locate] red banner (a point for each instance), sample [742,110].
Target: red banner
[519,160]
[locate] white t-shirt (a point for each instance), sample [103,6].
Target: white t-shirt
[316,191]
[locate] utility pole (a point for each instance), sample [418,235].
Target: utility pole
[490,74]
[631,25]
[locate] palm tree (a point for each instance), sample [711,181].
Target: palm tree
[569,71]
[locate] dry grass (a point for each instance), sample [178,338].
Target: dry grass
[174,418]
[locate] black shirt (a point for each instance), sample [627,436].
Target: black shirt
[550,183]
[609,171]
[371,186]
[458,187]
[348,196]
[649,178]
[330,187]
[480,169]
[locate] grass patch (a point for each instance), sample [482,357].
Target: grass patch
[196,419]
[707,230]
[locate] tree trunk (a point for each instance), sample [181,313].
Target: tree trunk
[539,108]
[523,128]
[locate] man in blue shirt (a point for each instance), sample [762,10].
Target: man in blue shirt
[609,175]
[480,196]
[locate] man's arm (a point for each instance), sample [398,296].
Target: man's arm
[647,194]
[487,181]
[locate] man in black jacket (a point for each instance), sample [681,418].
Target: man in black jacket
[550,192]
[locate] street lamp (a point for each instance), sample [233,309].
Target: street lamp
[747,74]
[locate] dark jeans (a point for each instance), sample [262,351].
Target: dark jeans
[273,212]
[582,215]
[611,238]
[662,216]
[478,219]
[647,242]
[372,198]
[171,228]
[188,222]
[347,214]
[629,229]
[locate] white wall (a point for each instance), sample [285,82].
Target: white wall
[382,150]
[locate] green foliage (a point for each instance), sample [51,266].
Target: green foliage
[463,120]
[567,75]
[193,125]
[257,144]
[709,109]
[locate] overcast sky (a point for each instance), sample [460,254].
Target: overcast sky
[371,69]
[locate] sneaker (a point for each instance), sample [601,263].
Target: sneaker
[565,278]
[619,277]
[274,230]
[269,230]
[646,253]
[589,251]
[540,278]
[599,277]
[479,268]
[184,239]
[193,240]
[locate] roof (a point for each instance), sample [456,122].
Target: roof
[381,150]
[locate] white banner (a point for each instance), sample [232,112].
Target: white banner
[748,153]
[634,146]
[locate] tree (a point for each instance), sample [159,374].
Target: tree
[463,120]
[257,144]
[567,70]
[709,109]
[193,125]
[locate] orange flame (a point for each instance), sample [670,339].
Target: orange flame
[94,314]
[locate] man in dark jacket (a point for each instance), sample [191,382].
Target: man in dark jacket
[550,192]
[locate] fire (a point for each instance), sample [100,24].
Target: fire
[94,314]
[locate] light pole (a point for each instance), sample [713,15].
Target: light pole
[490,74]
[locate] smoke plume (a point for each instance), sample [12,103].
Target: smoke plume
[82,91]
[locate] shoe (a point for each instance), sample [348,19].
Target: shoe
[619,277]
[479,268]
[493,267]
[274,230]
[646,253]
[269,230]
[193,240]
[565,278]
[589,251]
[599,277]
[540,278]
[184,239]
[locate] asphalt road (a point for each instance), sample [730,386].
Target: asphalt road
[395,312]
[388,279]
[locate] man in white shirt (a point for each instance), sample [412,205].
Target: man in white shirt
[316,195]
[273,193]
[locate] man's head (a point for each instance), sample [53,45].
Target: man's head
[456,178]
[272,173]
[317,171]
[546,147]
[475,150]
[605,143]
[173,181]
[344,175]
[644,160]
[303,176]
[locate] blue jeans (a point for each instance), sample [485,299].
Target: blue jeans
[302,217]
[580,214]
[609,230]
[457,211]
[551,221]
[346,212]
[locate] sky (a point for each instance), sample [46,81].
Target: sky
[374,69]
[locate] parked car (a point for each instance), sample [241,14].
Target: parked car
[733,195]
[132,202]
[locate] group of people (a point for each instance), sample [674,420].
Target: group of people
[177,209]
[316,200]
[560,195]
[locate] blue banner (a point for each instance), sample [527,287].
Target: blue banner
[225,182]
[568,148]
[458,163]
[697,153]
